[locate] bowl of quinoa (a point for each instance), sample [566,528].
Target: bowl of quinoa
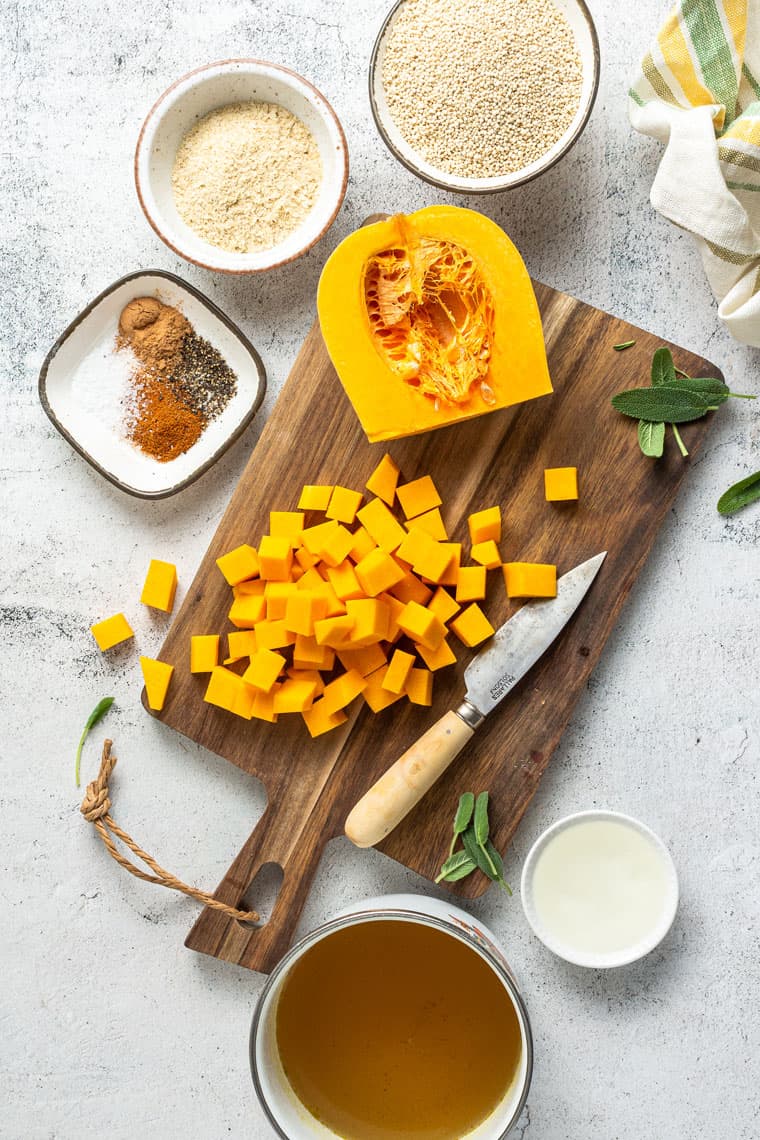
[480,96]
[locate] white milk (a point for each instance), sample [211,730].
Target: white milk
[601,891]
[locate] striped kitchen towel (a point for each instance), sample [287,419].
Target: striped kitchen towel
[698,92]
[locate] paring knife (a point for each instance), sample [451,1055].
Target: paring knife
[493,673]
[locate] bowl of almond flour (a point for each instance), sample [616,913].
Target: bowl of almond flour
[241,166]
[479,96]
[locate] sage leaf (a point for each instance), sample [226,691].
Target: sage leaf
[623,345]
[456,867]
[666,403]
[462,818]
[663,368]
[498,863]
[740,495]
[477,854]
[480,823]
[651,438]
[100,710]
[707,388]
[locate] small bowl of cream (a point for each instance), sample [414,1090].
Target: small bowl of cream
[599,889]
[241,166]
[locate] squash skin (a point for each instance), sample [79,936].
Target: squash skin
[387,406]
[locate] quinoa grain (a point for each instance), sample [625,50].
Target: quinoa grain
[481,88]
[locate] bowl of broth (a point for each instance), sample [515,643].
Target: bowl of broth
[400,1018]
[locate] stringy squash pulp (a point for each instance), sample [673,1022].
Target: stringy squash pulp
[431,318]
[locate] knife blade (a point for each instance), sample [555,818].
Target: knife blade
[491,675]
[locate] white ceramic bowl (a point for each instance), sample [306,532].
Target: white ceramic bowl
[610,959]
[96,435]
[582,26]
[196,95]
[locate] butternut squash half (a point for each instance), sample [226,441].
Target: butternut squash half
[430,318]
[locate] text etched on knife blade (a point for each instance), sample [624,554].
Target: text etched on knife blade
[502,686]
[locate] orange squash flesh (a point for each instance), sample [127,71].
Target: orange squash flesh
[430,318]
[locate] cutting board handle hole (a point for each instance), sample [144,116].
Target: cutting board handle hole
[262,891]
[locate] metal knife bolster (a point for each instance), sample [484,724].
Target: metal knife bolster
[471,716]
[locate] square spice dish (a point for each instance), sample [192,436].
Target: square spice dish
[154,409]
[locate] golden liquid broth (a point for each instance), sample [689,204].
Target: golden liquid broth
[389,1030]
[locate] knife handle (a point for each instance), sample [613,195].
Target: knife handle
[404,784]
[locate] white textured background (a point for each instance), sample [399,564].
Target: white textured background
[108,1026]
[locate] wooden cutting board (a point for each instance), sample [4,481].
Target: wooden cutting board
[313,436]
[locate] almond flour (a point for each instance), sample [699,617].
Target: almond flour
[481,88]
[246,176]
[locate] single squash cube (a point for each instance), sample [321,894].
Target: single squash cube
[472,626]
[560,484]
[263,705]
[384,480]
[530,580]
[111,631]
[411,589]
[287,524]
[252,586]
[399,667]
[437,658]
[371,619]
[276,595]
[314,498]
[228,691]
[363,543]
[377,697]
[422,625]
[395,608]
[335,546]
[303,609]
[156,675]
[305,559]
[264,669]
[204,652]
[275,558]
[310,675]
[160,586]
[313,537]
[246,612]
[364,661]
[378,572]
[274,635]
[318,720]
[381,525]
[418,496]
[471,583]
[294,696]
[419,687]
[485,525]
[240,643]
[344,581]
[343,505]
[307,654]
[443,605]
[334,631]
[340,692]
[431,522]
[239,564]
[487,554]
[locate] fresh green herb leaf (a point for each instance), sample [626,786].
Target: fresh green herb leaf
[706,388]
[476,853]
[651,438]
[100,710]
[743,493]
[666,403]
[663,368]
[480,822]
[623,345]
[498,863]
[456,867]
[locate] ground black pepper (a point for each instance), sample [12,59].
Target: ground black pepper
[202,379]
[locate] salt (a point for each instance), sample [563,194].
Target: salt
[102,384]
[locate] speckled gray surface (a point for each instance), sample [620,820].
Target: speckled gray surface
[109,1026]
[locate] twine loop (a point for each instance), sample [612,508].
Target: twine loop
[96,808]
